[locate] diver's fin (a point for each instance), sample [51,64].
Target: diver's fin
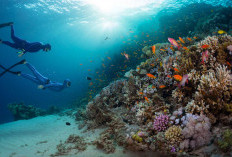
[8,70]
[6,24]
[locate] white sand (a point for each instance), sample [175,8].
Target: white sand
[39,137]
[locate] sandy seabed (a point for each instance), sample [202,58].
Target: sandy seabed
[39,137]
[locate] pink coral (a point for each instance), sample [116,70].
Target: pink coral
[230,49]
[161,123]
[197,132]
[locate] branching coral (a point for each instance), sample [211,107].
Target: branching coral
[173,134]
[161,123]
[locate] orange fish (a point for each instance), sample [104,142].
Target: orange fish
[153,86]
[146,99]
[181,40]
[172,48]
[81,64]
[162,86]
[151,76]
[228,64]
[177,77]
[153,49]
[147,35]
[195,37]
[138,68]
[189,39]
[162,50]
[169,76]
[156,59]
[175,69]
[109,58]
[141,93]
[185,48]
[152,64]
[205,46]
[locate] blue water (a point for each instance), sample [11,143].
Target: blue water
[76,29]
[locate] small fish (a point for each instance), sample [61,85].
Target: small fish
[176,70]
[189,39]
[177,77]
[228,63]
[153,49]
[205,46]
[162,50]
[195,37]
[151,76]
[172,48]
[88,78]
[146,99]
[153,86]
[162,86]
[205,56]
[67,123]
[181,40]
[127,56]
[221,32]
[147,35]
[109,58]
[183,81]
[156,59]
[169,76]
[185,48]
[174,42]
[141,93]
[81,64]
[152,64]
[138,68]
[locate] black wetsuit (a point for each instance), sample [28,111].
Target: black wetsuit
[23,45]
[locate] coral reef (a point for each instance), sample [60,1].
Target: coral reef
[170,103]
[21,111]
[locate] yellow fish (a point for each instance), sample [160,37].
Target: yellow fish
[221,32]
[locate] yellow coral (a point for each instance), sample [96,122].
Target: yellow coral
[137,138]
[173,134]
[229,108]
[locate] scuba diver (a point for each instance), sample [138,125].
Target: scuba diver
[40,80]
[23,45]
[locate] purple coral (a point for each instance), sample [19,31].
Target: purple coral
[173,149]
[230,49]
[161,123]
[197,132]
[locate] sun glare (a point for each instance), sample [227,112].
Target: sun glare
[117,6]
